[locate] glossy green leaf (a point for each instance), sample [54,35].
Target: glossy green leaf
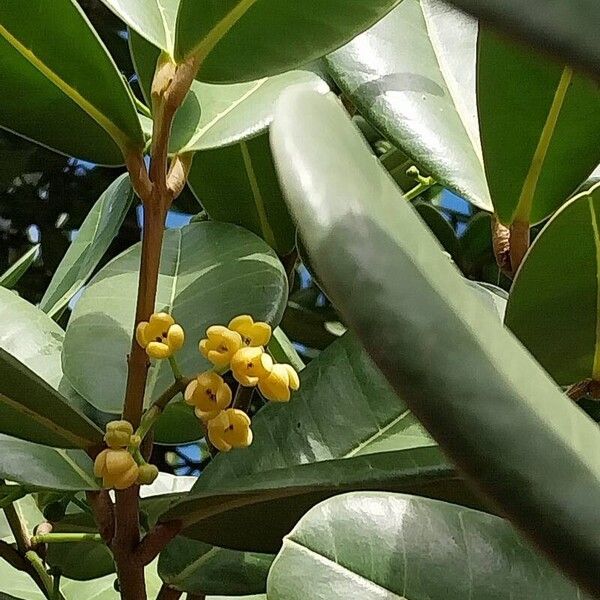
[440,227]
[154,20]
[93,239]
[210,272]
[239,185]
[399,547]
[538,146]
[41,467]
[214,116]
[191,566]
[495,297]
[82,561]
[418,88]
[493,410]
[11,276]
[241,40]
[562,264]
[18,584]
[567,28]
[344,430]
[30,405]
[75,102]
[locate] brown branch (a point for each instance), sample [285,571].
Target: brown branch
[13,557]
[130,571]
[170,85]
[168,593]
[519,243]
[104,513]
[150,547]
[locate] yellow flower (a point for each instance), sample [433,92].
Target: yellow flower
[117,469]
[253,334]
[249,364]
[118,434]
[277,385]
[161,336]
[147,474]
[209,394]
[221,344]
[230,429]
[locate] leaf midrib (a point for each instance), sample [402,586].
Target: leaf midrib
[337,566]
[118,136]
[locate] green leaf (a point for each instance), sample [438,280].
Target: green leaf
[239,185]
[11,276]
[493,410]
[273,37]
[418,89]
[82,561]
[19,584]
[38,466]
[210,272]
[30,405]
[538,146]
[213,116]
[93,239]
[562,264]
[440,227]
[344,430]
[399,547]
[196,568]
[154,20]
[53,60]
[568,28]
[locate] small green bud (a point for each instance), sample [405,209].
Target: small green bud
[118,434]
[147,474]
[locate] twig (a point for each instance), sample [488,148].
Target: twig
[12,556]
[63,538]
[104,513]
[243,398]
[168,593]
[149,548]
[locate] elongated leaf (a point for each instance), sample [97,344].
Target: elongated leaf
[538,147]
[95,236]
[214,116]
[275,36]
[154,20]
[42,467]
[30,406]
[399,547]
[344,430]
[567,28]
[493,410]
[560,334]
[239,185]
[11,277]
[416,84]
[190,566]
[72,101]
[209,273]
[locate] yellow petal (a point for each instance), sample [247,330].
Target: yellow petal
[188,395]
[224,396]
[175,337]
[140,333]
[204,348]
[126,479]
[261,334]
[162,319]
[100,463]
[206,416]
[240,322]
[294,380]
[158,350]
[218,359]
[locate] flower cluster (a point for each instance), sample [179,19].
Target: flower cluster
[239,347]
[116,465]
